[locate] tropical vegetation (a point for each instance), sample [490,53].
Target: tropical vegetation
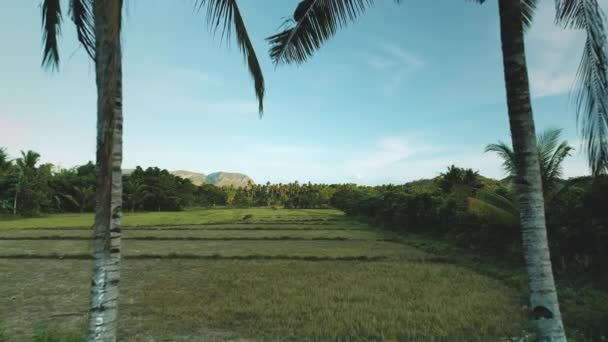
[533,212]
[315,21]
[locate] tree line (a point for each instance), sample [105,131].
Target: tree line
[29,188]
[474,211]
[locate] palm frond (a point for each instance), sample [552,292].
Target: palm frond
[592,78]
[507,155]
[551,154]
[71,199]
[226,14]
[554,167]
[547,140]
[51,30]
[528,9]
[546,143]
[81,12]
[314,21]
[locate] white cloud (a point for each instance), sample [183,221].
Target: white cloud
[395,63]
[383,161]
[404,58]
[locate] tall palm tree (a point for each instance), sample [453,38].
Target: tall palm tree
[26,165]
[98,26]
[315,21]
[551,154]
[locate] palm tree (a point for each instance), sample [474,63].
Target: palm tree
[26,166]
[315,21]
[4,161]
[551,153]
[98,26]
[28,160]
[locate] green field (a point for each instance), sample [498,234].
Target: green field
[281,275]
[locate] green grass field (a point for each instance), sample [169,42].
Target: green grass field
[281,275]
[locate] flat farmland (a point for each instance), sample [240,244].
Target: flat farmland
[278,275]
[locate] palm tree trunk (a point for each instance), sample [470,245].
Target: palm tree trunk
[543,295]
[103,316]
[15,203]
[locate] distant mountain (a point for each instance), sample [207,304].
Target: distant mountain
[215,178]
[229,178]
[194,177]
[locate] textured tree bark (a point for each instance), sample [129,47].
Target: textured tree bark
[543,295]
[103,313]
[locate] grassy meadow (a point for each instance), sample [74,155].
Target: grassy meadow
[280,275]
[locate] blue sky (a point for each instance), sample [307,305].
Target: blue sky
[399,95]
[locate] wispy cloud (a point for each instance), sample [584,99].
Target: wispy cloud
[395,63]
[399,160]
[382,160]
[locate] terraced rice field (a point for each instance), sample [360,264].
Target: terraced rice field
[281,275]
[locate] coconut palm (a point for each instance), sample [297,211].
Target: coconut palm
[28,160]
[551,153]
[26,166]
[315,21]
[98,26]
[4,161]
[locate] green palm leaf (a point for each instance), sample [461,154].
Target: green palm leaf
[82,15]
[314,21]
[51,25]
[592,78]
[226,14]
[507,155]
[528,9]
[551,154]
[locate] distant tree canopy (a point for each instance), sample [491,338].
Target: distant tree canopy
[28,188]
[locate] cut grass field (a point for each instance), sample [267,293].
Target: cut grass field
[402,294]
[193,217]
